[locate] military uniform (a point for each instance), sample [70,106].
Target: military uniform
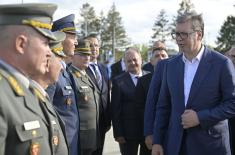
[88,109]
[25,126]
[62,93]
[88,99]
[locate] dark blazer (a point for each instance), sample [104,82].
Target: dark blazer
[148,67]
[63,97]
[104,103]
[142,88]
[116,69]
[152,98]
[212,96]
[125,112]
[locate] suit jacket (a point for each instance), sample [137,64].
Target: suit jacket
[126,117]
[88,105]
[152,98]
[116,69]
[104,103]
[142,88]
[148,67]
[63,97]
[212,96]
[24,125]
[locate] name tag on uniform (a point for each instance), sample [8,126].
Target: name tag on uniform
[53,122]
[68,87]
[31,125]
[84,87]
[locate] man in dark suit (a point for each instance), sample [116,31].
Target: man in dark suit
[158,53]
[151,99]
[117,68]
[62,93]
[126,115]
[231,55]
[99,75]
[193,107]
[26,125]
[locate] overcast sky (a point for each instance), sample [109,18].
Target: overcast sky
[138,16]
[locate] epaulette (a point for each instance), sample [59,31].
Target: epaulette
[39,95]
[77,74]
[13,82]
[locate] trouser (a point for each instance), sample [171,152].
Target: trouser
[131,148]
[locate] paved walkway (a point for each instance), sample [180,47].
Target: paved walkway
[111,146]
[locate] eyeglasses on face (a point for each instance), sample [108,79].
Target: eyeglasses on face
[182,35]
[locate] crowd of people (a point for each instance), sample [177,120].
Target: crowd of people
[58,99]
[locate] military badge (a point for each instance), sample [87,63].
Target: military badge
[35,149]
[85,98]
[55,140]
[68,101]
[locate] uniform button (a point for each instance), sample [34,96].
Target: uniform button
[34,133]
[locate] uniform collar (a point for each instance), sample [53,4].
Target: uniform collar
[19,76]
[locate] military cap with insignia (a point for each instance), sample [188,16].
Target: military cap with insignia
[36,15]
[65,24]
[56,46]
[83,47]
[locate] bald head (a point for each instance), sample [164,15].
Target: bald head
[133,60]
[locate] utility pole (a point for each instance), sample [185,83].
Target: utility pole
[22,1]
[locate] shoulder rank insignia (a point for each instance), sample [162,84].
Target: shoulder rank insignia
[15,86]
[77,74]
[39,95]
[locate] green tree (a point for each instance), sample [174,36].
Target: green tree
[226,38]
[115,34]
[186,6]
[90,22]
[161,27]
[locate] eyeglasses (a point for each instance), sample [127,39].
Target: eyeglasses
[182,35]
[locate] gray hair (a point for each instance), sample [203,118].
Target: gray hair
[196,19]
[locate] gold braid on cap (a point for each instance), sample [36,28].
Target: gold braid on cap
[37,24]
[82,49]
[57,49]
[67,29]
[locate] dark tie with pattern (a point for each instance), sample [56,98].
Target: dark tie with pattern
[97,75]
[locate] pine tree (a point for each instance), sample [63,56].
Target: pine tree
[161,27]
[115,34]
[186,6]
[226,38]
[90,22]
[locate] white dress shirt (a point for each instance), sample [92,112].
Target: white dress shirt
[190,68]
[135,77]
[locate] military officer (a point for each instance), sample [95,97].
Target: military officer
[24,51]
[62,93]
[88,98]
[41,81]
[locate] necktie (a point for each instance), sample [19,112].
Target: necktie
[136,80]
[97,75]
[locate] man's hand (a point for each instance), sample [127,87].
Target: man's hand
[157,149]
[149,141]
[120,140]
[189,119]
